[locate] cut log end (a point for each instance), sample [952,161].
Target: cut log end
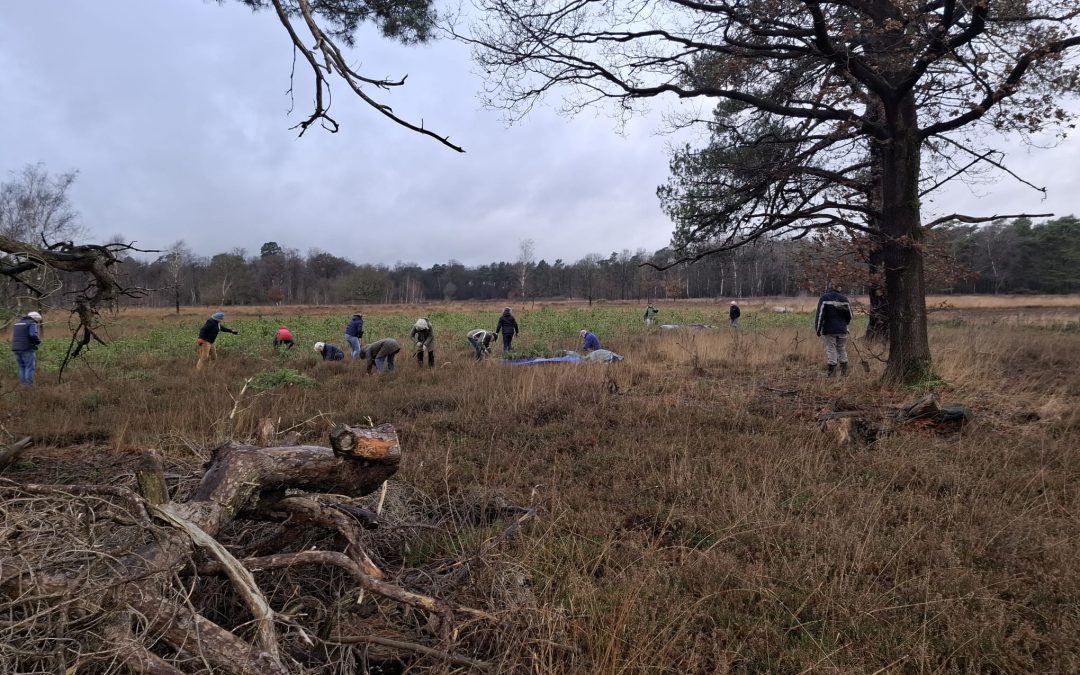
[371,443]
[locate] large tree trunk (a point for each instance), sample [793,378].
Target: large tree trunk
[877,328]
[901,225]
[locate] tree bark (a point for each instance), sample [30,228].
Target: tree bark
[150,476]
[901,225]
[877,328]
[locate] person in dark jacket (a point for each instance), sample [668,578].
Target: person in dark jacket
[354,333]
[329,352]
[508,327]
[481,340]
[833,317]
[424,335]
[380,354]
[208,335]
[734,313]
[25,338]
[589,341]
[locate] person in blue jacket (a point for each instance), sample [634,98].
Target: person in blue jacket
[833,317]
[329,352]
[25,338]
[734,313]
[589,341]
[354,333]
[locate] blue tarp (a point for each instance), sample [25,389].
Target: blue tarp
[539,359]
[598,356]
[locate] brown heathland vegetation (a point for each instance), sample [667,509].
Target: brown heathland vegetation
[693,517]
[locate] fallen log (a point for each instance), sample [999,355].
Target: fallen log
[137,582]
[11,453]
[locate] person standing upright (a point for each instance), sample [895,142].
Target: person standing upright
[833,317]
[354,333]
[25,338]
[424,335]
[650,314]
[508,327]
[207,336]
[734,313]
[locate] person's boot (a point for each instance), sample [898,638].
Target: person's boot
[420,359]
[831,370]
[431,359]
[843,369]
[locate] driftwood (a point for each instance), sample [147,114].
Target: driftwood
[113,593]
[11,453]
[859,427]
[921,408]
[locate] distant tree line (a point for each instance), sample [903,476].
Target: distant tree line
[1002,257]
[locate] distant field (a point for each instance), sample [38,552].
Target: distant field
[693,516]
[547,325]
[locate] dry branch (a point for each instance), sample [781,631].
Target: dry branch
[412,647]
[12,452]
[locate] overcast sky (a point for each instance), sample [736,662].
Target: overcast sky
[175,114]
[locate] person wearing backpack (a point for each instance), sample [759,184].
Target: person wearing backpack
[424,335]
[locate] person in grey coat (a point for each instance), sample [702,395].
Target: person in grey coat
[380,354]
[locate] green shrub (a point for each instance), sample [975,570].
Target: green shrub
[280,377]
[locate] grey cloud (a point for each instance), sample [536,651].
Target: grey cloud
[175,113]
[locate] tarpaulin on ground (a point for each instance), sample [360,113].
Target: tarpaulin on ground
[689,326]
[598,356]
[539,359]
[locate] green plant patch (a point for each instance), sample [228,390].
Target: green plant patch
[279,378]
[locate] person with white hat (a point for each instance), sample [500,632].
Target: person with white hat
[25,338]
[424,335]
[734,314]
[329,352]
[589,341]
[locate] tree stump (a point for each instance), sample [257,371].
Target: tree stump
[150,476]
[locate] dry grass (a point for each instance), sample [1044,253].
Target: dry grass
[693,520]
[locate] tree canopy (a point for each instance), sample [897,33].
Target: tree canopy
[840,81]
